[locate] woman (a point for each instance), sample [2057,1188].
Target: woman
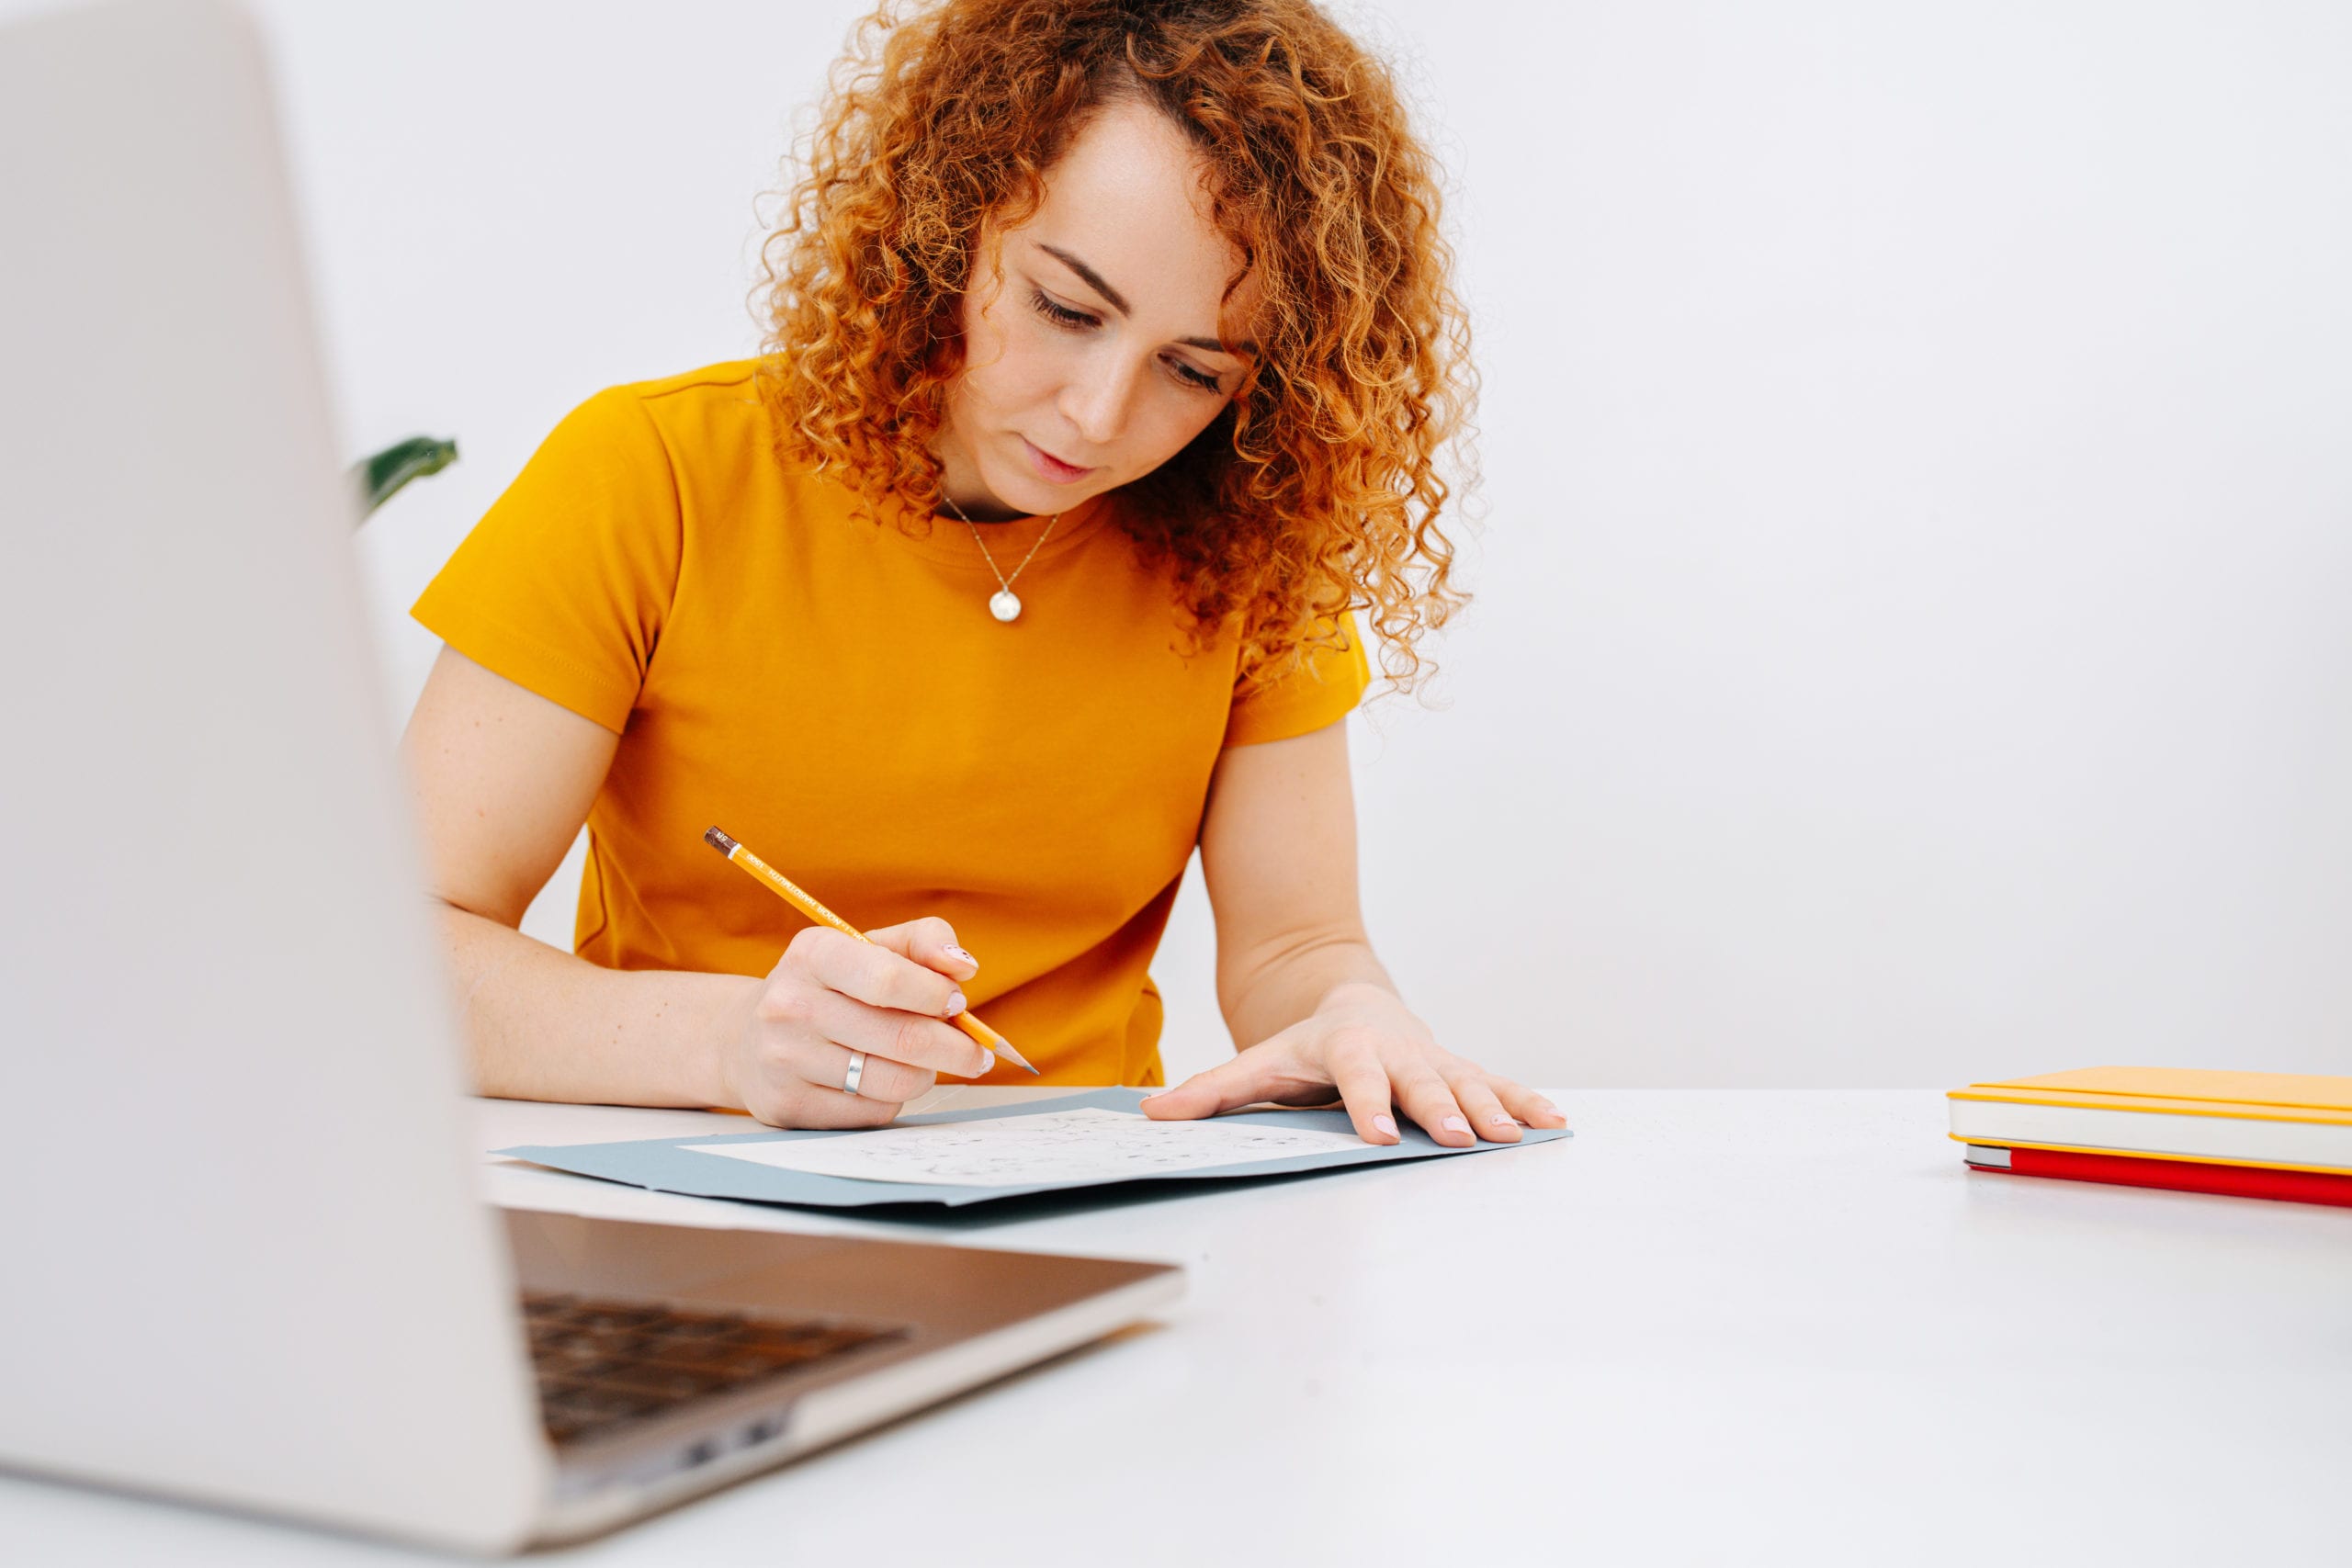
[1112,349]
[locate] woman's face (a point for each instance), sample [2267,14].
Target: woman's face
[1095,334]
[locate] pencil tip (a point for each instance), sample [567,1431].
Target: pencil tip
[1010,1052]
[719,840]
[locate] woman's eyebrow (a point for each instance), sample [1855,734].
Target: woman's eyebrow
[1118,301]
[1093,278]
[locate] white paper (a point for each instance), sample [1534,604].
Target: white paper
[1084,1145]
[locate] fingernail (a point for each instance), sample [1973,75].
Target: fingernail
[1386,1124]
[1457,1124]
[988,1064]
[1499,1120]
[955,1004]
[961,956]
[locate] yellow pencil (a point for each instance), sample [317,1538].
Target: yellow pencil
[778,883]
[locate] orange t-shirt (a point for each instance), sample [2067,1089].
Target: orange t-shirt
[835,693]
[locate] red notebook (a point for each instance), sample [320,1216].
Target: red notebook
[2181,1174]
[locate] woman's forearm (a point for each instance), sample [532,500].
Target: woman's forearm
[543,1024]
[1279,992]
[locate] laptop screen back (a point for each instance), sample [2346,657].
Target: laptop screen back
[244,1258]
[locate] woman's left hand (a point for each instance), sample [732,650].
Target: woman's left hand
[1364,1042]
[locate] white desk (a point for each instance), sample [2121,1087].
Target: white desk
[1713,1329]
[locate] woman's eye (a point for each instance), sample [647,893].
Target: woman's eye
[1060,314]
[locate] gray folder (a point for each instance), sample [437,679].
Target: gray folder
[668,1164]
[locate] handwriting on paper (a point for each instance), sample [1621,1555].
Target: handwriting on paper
[1054,1148]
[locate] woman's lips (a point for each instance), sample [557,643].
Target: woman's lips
[1050,468]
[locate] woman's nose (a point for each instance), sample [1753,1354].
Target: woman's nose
[1096,402]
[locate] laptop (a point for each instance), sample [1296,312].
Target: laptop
[247,1261]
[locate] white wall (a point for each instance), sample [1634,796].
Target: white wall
[1918,455]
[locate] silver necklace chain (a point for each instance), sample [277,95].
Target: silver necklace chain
[1004,604]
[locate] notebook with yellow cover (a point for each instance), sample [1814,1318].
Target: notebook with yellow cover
[2283,1121]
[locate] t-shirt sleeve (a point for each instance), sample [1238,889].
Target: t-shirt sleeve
[1322,690]
[563,585]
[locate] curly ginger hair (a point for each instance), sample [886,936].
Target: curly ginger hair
[1317,489]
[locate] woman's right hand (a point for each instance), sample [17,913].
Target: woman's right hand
[889,995]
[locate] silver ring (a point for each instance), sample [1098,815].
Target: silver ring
[856,1072]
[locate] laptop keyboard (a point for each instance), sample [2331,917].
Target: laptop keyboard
[602,1364]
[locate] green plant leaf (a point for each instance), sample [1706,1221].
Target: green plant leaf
[380,478]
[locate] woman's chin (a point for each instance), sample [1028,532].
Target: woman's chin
[1034,498]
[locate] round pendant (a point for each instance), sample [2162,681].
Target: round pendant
[1004,605]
